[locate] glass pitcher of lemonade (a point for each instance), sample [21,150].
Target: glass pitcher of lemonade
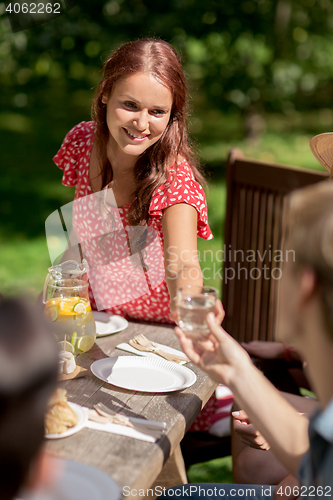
[67,304]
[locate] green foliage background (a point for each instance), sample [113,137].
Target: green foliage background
[260,77]
[271,54]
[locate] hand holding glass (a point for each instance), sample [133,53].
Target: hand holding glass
[193,303]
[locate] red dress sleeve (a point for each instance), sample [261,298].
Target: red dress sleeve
[68,155]
[182,188]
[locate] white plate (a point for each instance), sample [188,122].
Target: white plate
[79,482]
[143,374]
[82,420]
[106,324]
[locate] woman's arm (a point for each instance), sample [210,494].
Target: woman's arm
[226,362]
[182,267]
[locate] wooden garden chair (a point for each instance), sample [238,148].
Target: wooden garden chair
[256,199]
[254,229]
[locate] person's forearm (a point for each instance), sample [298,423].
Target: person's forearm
[285,430]
[178,276]
[225,361]
[182,267]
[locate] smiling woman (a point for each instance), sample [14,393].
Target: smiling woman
[137,147]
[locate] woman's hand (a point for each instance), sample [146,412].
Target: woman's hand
[219,312]
[173,316]
[264,350]
[271,350]
[220,356]
[247,432]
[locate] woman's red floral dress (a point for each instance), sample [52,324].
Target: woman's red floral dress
[120,283]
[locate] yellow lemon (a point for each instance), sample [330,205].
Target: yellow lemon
[66,346]
[66,306]
[86,318]
[79,308]
[85,343]
[52,313]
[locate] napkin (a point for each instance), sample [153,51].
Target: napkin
[122,430]
[66,362]
[171,350]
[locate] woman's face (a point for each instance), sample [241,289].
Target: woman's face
[138,111]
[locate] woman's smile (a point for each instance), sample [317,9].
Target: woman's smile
[135,136]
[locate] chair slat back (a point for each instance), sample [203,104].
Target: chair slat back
[254,228]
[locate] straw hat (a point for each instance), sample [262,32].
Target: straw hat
[322,147]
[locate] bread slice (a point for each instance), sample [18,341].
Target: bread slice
[53,425]
[60,415]
[58,396]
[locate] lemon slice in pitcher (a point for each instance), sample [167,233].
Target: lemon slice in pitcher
[85,343]
[85,319]
[73,341]
[79,308]
[52,313]
[66,346]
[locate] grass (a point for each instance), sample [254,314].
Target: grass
[26,263]
[307,393]
[210,251]
[214,471]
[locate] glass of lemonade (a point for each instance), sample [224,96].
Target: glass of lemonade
[67,305]
[193,303]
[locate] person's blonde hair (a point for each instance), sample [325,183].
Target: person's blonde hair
[310,235]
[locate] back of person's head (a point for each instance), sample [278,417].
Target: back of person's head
[28,371]
[310,236]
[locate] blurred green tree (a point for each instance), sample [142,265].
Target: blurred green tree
[249,55]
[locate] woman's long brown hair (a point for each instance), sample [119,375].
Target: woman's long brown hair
[158,58]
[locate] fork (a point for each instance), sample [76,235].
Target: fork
[155,429]
[141,343]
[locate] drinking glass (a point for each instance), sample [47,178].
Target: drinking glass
[193,303]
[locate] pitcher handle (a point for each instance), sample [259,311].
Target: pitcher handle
[45,289]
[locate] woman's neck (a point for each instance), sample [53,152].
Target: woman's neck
[122,163]
[123,182]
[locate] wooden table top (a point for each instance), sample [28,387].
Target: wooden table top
[130,462]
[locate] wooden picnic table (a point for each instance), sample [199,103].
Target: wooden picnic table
[136,465]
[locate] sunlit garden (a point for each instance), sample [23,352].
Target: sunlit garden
[260,77]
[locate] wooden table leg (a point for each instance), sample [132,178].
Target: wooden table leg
[173,472]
